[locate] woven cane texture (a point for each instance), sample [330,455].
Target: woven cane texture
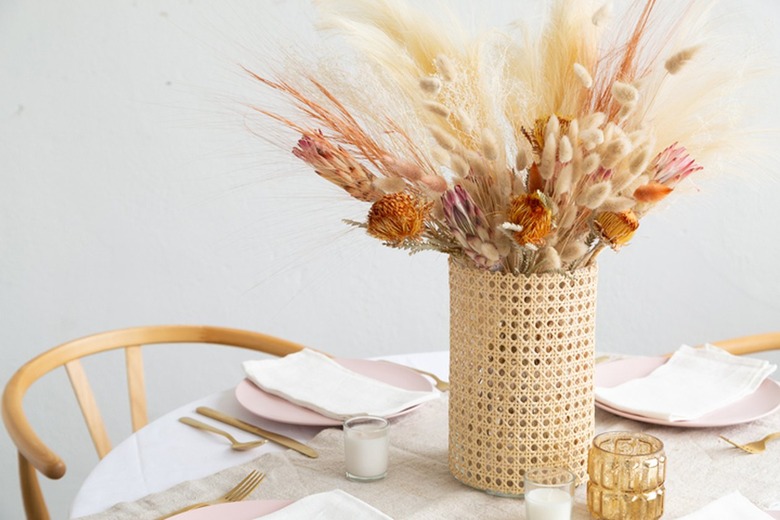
[521,375]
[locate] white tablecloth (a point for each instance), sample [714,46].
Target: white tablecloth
[148,462]
[701,468]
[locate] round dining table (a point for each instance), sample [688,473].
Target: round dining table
[165,452]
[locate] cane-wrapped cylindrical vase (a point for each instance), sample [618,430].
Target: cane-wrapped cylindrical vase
[521,375]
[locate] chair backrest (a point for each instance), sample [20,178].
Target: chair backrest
[751,344]
[35,456]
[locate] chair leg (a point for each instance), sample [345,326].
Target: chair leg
[34,505]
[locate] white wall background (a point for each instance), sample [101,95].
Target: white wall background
[131,193]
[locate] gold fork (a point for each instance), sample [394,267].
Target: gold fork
[237,494]
[753,447]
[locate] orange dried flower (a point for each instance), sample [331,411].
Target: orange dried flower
[652,192]
[534,216]
[616,228]
[397,217]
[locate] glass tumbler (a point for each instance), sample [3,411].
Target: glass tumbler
[549,494]
[366,448]
[627,472]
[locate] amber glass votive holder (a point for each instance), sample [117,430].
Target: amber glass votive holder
[626,473]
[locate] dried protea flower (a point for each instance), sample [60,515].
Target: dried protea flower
[531,212]
[337,165]
[672,165]
[397,217]
[470,227]
[616,229]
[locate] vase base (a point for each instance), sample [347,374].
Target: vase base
[500,494]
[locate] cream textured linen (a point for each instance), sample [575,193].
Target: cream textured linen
[419,486]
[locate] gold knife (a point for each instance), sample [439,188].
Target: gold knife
[251,428]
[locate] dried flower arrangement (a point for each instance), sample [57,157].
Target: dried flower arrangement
[517,154]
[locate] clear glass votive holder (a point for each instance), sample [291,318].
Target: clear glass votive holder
[366,448]
[549,493]
[626,473]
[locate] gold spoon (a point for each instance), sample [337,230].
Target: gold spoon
[239,446]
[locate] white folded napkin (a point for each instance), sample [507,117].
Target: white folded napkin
[315,381]
[336,505]
[692,383]
[733,506]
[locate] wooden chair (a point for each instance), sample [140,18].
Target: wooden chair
[751,344]
[35,456]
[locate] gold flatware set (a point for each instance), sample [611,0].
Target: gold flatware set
[236,445]
[238,493]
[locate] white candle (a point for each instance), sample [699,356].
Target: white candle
[366,446]
[548,504]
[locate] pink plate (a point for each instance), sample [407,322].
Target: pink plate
[246,510]
[759,404]
[277,409]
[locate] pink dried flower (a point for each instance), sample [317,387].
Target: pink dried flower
[470,227]
[337,165]
[672,165]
